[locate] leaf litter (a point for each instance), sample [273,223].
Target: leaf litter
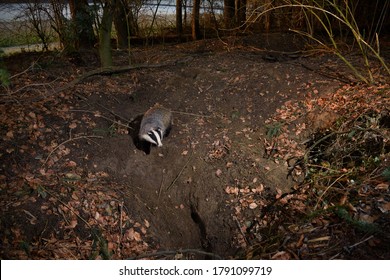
[335,146]
[340,195]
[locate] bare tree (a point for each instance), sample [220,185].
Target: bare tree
[179,17]
[195,20]
[83,24]
[121,23]
[228,13]
[241,12]
[125,21]
[35,12]
[60,24]
[105,33]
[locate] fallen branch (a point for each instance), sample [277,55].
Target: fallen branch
[66,141]
[97,114]
[110,71]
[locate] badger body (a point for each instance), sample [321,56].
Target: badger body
[155,125]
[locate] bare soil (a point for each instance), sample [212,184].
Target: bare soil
[74,185]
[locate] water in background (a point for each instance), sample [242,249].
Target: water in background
[17,12]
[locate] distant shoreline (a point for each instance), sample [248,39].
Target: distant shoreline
[28,48]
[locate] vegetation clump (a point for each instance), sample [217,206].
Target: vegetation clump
[341,174]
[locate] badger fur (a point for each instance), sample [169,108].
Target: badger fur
[155,125]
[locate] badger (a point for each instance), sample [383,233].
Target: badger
[155,125]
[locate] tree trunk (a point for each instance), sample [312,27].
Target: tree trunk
[105,34]
[228,13]
[84,36]
[195,20]
[122,25]
[241,13]
[179,17]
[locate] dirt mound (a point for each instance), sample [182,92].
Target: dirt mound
[76,186]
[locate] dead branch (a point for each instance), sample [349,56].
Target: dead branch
[66,141]
[106,118]
[110,71]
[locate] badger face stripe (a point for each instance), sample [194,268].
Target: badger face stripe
[158,137]
[155,137]
[159,131]
[147,138]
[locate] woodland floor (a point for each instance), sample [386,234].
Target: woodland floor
[74,186]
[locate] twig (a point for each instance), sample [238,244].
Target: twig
[334,182]
[31,86]
[66,141]
[104,117]
[239,227]
[25,71]
[161,185]
[336,76]
[112,112]
[191,114]
[120,223]
[178,175]
[67,206]
[348,248]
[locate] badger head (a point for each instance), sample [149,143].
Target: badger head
[154,136]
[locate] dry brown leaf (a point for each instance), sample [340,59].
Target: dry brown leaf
[253,205]
[72,224]
[382,186]
[300,241]
[385,207]
[258,189]
[9,134]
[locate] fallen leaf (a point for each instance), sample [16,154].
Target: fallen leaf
[71,163]
[10,134]
[72,224]
[258,189]
[253,205]
[382,186]
[131,234]
[384,207]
